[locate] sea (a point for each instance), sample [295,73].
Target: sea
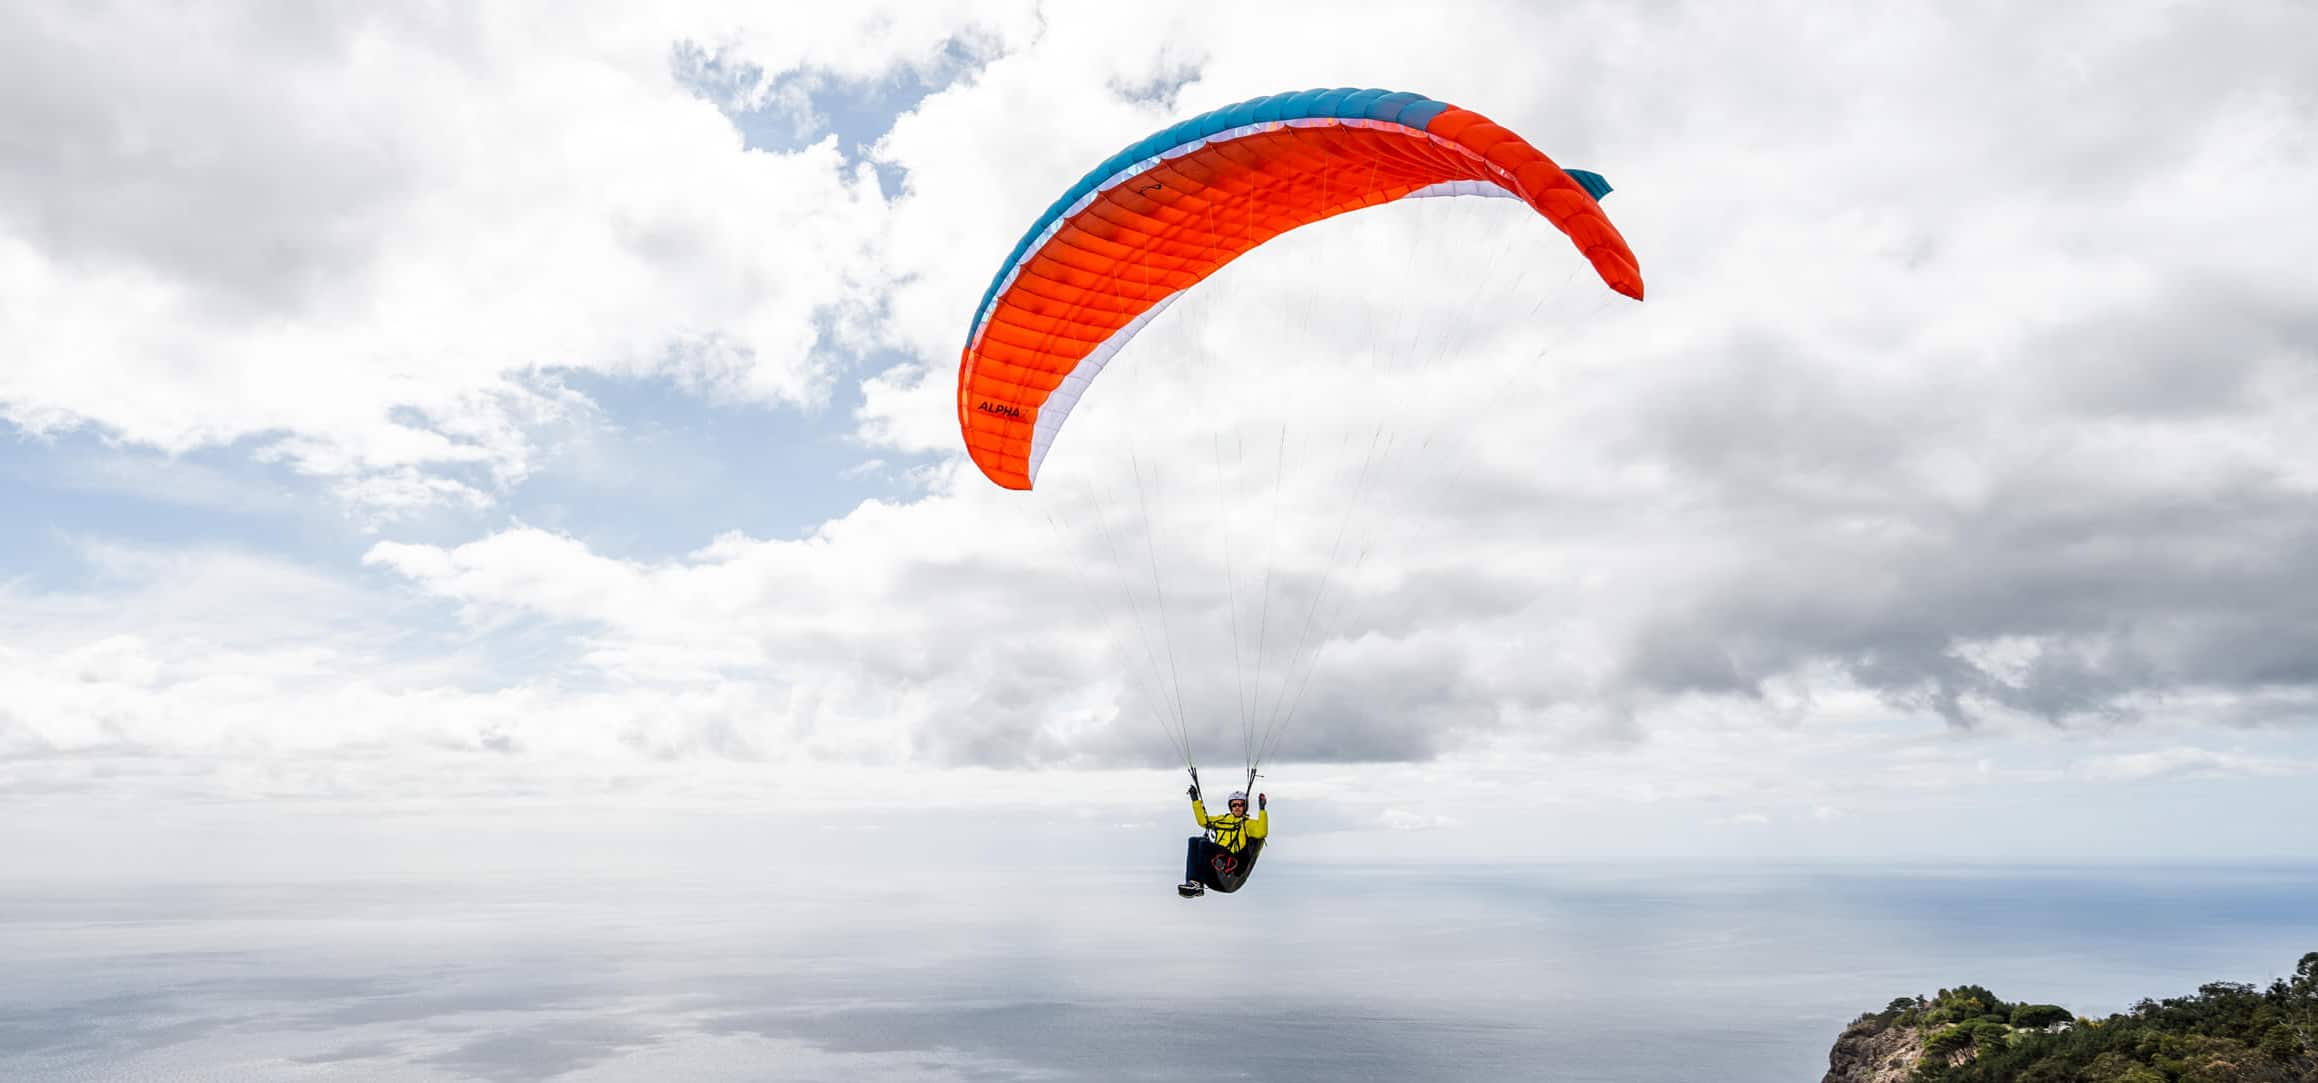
[1603,971]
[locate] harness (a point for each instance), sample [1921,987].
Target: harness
[1232,836]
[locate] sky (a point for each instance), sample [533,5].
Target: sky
[543,416]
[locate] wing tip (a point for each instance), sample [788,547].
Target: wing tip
[1594,183]
[1617,270]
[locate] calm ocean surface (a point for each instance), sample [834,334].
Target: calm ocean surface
[1560,972]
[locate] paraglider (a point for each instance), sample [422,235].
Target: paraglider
[1223,857]
[1156,219]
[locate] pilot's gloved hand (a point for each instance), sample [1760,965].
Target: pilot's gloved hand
[1259,801]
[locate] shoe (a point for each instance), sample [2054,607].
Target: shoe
[1191,889]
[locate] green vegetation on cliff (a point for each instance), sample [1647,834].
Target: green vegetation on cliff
[2226,1032]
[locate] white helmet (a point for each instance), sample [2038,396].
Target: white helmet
[1240,796]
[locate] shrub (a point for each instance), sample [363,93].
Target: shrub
[2040,1015]
[1948,1040]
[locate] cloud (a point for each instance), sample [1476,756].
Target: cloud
[2006,444]
[367,242]
[1890,469]
[1974,386]
[2185,761]
[1401,819]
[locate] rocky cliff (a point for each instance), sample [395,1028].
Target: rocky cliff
[1872,1051]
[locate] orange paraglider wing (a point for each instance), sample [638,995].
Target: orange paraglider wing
[1158,217]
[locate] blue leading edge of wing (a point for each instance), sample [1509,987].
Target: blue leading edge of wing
[1398,107]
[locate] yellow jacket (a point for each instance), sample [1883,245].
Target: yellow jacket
[1231,831]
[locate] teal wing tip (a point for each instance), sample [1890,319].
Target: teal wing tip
[1595,184]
